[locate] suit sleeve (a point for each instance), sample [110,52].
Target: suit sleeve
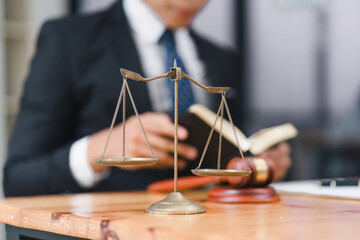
[38,156]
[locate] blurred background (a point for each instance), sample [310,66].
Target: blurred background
[300,62]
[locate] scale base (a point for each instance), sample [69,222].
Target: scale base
[175,204]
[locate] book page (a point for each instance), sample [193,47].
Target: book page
[209,117]
[268,137]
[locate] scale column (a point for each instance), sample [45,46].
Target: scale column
[176,135]
[175,202]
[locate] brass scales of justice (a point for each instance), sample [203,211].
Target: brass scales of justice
[175,202]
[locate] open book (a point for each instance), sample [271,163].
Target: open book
[199,121]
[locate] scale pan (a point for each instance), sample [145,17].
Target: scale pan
[125,161]
[221,172]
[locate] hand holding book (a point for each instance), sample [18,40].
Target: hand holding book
[268,142]
[280,155]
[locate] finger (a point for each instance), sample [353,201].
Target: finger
[282,166]
[285,162]
[162,124]
[280,155]
[158,123]
[182,164]
[164,160]
[167,145]
[160,142]
[284,148]
[279,151]
[187,151]
[279,176]
[167,161]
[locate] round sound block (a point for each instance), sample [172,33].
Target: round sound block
[227,194]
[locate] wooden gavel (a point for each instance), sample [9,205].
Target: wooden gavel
[263,171]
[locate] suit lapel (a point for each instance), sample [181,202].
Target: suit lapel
[126,55]
[206,57]
[221,70]
[212,74]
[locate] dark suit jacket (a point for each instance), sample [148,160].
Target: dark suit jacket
[71,92]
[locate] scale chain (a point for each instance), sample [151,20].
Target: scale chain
[138,117]
[210,135]
[233,127]
[122,98]
[220,135]
[124,117]
[113,120]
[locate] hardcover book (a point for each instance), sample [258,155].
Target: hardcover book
[199,121]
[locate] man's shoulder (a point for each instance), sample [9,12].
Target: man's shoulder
[79,24]
[82,31]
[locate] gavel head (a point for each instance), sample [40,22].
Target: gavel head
[263,171]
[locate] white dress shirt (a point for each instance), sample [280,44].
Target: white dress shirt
[146,29]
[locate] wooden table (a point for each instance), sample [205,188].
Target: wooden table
[121,216]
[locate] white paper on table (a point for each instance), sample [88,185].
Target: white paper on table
[312,187]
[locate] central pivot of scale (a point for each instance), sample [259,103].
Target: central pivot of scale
[175,202]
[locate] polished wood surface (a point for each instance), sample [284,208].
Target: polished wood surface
[121,216]
[228,194]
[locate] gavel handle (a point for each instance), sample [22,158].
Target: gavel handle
[184,183]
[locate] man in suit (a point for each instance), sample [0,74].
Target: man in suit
[70,95]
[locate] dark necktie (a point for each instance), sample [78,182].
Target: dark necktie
[186,96]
